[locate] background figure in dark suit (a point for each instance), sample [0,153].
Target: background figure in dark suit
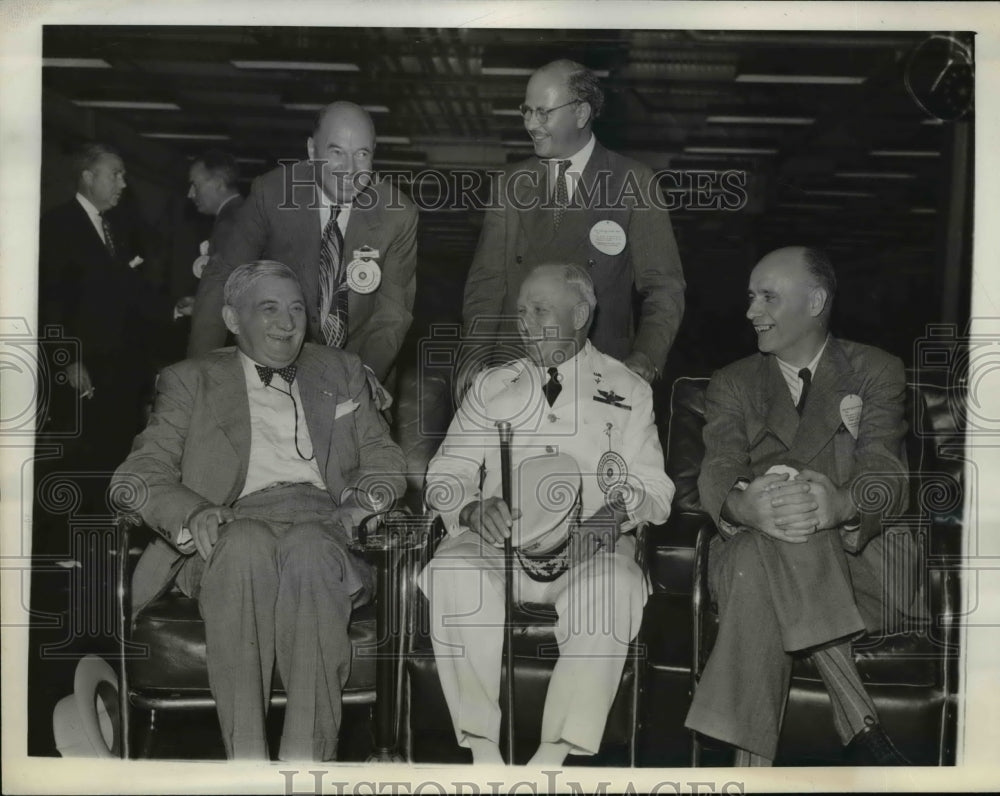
[214,177]
[798,564]
[598,209]
[93,288]
[255,467]
[357,273]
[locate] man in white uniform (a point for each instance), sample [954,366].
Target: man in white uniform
[566,398]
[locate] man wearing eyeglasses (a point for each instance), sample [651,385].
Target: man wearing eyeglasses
[577,202]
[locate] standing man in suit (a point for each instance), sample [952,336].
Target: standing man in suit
[255,467]
[92,288]
[795,437]
[579,202]
[214,177]
[568,400]
[352,243]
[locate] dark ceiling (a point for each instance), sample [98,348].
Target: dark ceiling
[820,126]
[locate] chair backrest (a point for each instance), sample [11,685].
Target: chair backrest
[685,447]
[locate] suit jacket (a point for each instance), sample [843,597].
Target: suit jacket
[225,223]
[89,294]
[518,234]
[196,448]
[575,424]
[752,424]
[115,321]
[280,221]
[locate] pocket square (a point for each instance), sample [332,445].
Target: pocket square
[345,408]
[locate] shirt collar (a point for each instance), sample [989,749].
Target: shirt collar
[226,201]
[794,371]
[250,370]
[87,205]
[577,161]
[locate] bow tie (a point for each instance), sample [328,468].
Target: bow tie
[266,373]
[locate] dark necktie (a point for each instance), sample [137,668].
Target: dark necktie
[806,377]
[109,239]
[332,283]
[552,387]
[561,194]
[266,373]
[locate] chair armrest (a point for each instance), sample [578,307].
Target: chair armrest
[700,599]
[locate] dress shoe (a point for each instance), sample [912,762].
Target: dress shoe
[872,747]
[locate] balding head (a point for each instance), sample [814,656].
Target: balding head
[342,146]
[555,307]
[789,305]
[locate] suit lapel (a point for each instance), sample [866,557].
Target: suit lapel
[834,378]
[574,230]
[778,411]
[88,233]
[318,406]
[228,402]
[533,194]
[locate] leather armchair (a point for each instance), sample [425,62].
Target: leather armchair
[162,649]
[911,674]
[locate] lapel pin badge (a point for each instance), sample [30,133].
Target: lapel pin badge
[363,272]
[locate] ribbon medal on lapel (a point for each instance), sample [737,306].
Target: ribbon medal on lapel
[611,398]
[850,413]
[612,470]
[363,272]
[608,237]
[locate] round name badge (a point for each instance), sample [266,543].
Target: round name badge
[611,471]
[608,237]
[363,276]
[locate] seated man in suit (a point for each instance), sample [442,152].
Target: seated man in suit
[593,416]
[794,437]
[256,465]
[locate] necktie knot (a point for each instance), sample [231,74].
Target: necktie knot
[806,375]
[266,374]
[552,387]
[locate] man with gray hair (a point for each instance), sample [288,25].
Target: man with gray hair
[256,465]
[587,468]
[577,201]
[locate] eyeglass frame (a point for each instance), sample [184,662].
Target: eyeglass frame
[542,113]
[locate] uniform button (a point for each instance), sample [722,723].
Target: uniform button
[519,259]
[590,263]
[549,449]
[553,418]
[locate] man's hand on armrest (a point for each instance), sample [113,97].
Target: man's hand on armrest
[204,527]
[772,504]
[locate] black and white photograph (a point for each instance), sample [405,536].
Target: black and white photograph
[427,397]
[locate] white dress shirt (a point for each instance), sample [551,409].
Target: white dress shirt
[93,214]
[577,163]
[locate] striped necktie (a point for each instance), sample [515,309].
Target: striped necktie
[333,284]
[561,194]
[109,239]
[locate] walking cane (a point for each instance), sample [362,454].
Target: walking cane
[507,685]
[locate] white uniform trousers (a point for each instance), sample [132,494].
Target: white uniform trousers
[599,604]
